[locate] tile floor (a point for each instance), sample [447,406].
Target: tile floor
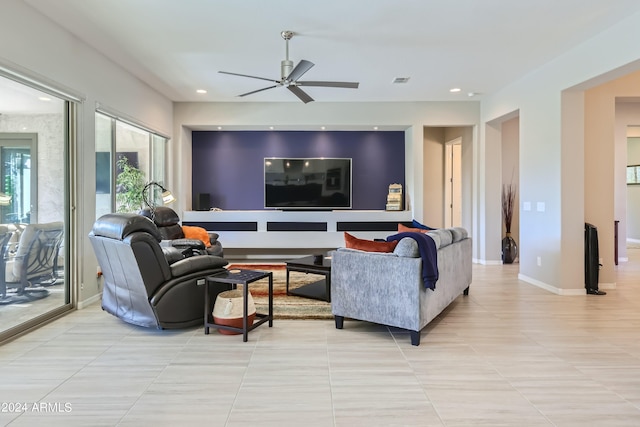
[509,354]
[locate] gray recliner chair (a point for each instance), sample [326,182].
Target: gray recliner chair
[168,223]
[145,284]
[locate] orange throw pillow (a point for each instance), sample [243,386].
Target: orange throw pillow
[405,229]
[199,233]
[353,242]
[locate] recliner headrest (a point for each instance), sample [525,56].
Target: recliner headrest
[120,225]
[163,217]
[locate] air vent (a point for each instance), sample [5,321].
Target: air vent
[400,80]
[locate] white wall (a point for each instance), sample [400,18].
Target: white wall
[33,45]
[412,117]
[551,166]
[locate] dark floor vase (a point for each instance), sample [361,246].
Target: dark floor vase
[509,249]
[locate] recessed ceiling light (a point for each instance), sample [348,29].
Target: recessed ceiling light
[375,128]
[400,80]
[322,127]
[271,127]
[219,127]
[455,89]
[44,98]
[201,91]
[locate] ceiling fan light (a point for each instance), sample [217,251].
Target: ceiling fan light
[289,75]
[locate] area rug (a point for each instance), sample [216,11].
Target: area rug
[285,306]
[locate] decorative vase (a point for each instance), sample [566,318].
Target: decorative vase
[229,308]
[509,249]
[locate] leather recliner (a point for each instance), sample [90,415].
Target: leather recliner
[141,286]
[168,223]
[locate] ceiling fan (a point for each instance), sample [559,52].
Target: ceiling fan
[290,75]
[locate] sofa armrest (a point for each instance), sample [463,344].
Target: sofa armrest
[188,243]
[376,287]
[196,263]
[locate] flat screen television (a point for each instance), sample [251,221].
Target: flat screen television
[307,183]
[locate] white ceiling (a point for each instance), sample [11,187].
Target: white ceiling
[178,46]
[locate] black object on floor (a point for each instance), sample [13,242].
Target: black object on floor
[591,260]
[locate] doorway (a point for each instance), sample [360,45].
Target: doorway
[453,183]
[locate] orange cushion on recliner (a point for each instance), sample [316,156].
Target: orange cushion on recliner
[199,233]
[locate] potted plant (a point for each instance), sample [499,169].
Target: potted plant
[129,185]
[509,247]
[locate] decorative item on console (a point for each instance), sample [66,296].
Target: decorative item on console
[394,198]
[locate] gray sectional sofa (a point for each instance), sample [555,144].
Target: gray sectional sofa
[388,288]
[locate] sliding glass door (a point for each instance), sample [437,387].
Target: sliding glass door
[34,177]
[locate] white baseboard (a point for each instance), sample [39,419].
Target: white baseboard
[88,301]
[552,289]
[485,262]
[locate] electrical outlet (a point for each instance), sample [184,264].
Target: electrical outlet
[539,262]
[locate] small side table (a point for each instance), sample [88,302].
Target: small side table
[235,278]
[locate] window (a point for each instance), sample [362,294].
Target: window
[139,158]
[633,175]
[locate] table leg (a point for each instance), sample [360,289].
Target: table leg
[271,297]
[245,303]
[206,307]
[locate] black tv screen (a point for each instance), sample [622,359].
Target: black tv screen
[307,183]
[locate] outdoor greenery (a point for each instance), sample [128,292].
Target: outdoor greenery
[129,185]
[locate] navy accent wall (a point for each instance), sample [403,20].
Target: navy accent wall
[230,165]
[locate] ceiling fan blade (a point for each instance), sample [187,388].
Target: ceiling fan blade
[259,90]
[304,97]
[302,67]
[347,85]
[251,77]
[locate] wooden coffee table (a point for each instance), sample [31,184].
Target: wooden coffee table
[317,290]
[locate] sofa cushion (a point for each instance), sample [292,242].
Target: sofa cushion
[407,248]
[353,242]
[404,229]
[441,236]
[458,233]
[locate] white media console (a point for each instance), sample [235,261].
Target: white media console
[275,229]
